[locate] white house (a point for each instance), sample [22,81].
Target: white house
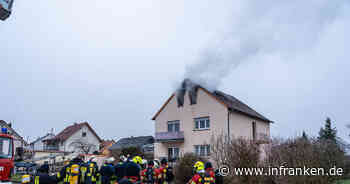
[39,143]
[79,137]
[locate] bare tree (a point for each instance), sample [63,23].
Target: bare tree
[82,146]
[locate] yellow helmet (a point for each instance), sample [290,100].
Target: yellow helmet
[137,160]
[198,166]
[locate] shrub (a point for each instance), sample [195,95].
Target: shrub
[237,153]
[288,153]
[311,153]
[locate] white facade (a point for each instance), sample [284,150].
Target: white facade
[39,144]
[89,138]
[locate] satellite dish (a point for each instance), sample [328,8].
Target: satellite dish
[5,9]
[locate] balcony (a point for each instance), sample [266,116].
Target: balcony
[51,148]
[169,137]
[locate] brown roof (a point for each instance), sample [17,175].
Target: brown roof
[70,130]
[232,103]
[236,105]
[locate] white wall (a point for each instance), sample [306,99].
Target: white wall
[89,138]
[39,145]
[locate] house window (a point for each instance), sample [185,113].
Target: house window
[202,123]
[83,134]
[202,150]
[173,152]
[174,126]
[254,130]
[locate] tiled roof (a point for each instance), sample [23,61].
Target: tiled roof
[132,142]
[236,105]
[70,130]
[42,138]
[232,103]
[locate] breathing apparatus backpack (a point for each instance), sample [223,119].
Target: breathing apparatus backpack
[74,172]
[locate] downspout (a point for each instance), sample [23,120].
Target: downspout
[228,123]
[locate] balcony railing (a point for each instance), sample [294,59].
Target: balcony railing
[51,148]
[169,136]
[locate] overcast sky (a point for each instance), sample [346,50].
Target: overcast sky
[114,63]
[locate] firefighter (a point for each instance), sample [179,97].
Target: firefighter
[166,173]
[150,174]
[133,169]
[41,177]
[201,177]
[91,173]
[71,173]
[83,169]
[120,168]
[208,167]
[107,171]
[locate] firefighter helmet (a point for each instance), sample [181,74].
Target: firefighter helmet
[137,160]
[198,166]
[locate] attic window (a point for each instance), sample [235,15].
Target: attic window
[193,95]
[180,94]
[83,134]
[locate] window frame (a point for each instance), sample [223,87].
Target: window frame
[198,123]
[202,150]
[173,125]
[173,152]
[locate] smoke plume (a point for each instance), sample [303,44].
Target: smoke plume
[259,28]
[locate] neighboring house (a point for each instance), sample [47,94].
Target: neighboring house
[39,143]
[79,137]
[141,142]
[193,115]
[105,145]
[19,142]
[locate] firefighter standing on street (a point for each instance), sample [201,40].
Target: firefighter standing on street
[166,173]
[120,169]
[133,169]
[91,174]
[41,177]
[71,173]
[208,167]
[150,174]
[201,176]
[83,169]
[107,171]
